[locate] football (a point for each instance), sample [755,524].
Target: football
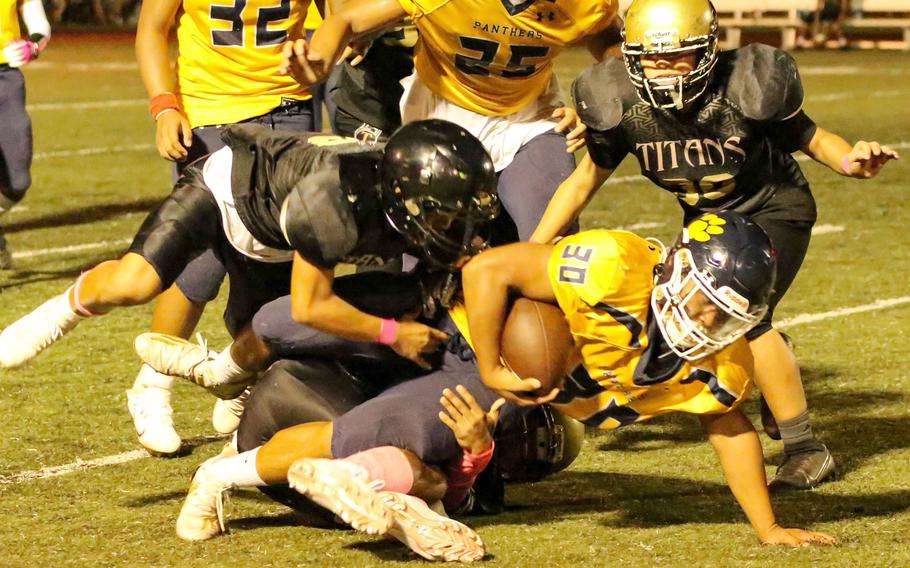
[536,343]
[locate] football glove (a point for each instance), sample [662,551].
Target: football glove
[20,51]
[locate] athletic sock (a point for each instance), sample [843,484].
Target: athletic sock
[239,470]
[224,370]
[797,436]
[388,465]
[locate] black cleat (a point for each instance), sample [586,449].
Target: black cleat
[805,470]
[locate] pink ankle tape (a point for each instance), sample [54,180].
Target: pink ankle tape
[80,309]
[386,464]
[388,331]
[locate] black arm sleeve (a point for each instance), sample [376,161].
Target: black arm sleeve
[607,148]
[793,133]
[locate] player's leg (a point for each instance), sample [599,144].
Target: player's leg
[177,311]
[166,240]
[807,461]
[530,180]
[15,149]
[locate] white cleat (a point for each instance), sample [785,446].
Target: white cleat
[149,403]
[178,357]
[35,332]
[429,534]
[226,413]
[343,488]
[202,514]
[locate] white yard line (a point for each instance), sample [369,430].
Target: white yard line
[71,248]
[86,105]
[94,151]
[78,465]
[849,70]
[850,96]
[841,312]
[827,229]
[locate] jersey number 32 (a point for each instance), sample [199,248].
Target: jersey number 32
[264,16]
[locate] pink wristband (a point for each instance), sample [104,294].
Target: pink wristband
[388,331]
[845,164]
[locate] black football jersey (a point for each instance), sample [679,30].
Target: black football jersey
[313,193]
[729,150]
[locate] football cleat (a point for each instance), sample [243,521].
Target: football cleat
[226,413]
[178,357]
[202,514]
[149,403]
[23,339]
[428,533]
[343,488]
[804,470]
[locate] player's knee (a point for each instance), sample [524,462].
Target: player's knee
[134,282]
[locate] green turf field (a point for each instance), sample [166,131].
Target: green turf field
[645,496]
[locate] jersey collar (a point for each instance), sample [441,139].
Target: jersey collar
[514,9]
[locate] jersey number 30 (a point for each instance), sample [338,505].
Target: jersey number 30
[264,16]
[516,67]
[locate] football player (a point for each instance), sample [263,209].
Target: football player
[717,130]
[392,453]
[486,65]
[646,348]
[222,76]
[16,141]
[268,197]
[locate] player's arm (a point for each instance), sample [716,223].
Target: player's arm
[314,303]
[739,450]
[473,428]
[20,51]
[488,280]
[311,62]
[155,22]
[570,199]
[863,160]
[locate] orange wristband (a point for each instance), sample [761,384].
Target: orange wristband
[160,103]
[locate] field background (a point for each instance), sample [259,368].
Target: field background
[648,495]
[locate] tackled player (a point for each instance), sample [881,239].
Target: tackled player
[646,348]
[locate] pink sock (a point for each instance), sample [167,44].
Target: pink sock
[387,464]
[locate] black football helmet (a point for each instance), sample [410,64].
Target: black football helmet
[439,190]
[543,442]
[714,285]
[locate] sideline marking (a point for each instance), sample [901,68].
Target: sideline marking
[93,151]
[86,105]
[71,248]
[811,318]
[80,465]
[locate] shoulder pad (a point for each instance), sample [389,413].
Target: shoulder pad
[764,82]
[317,221]
[602,93]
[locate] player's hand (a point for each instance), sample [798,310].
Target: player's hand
[473,428]
[18,52]
[356,52]
[867,159]
[303,64]
[414,339]
[515,389]
[778,535]
[568,119]
[173,135]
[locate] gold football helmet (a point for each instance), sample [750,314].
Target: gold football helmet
[670,27]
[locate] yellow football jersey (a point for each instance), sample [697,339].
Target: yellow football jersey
[9,23]
[313,17]
[603,281]
[230,50]
[494,57]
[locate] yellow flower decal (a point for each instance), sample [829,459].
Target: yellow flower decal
[701,229]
